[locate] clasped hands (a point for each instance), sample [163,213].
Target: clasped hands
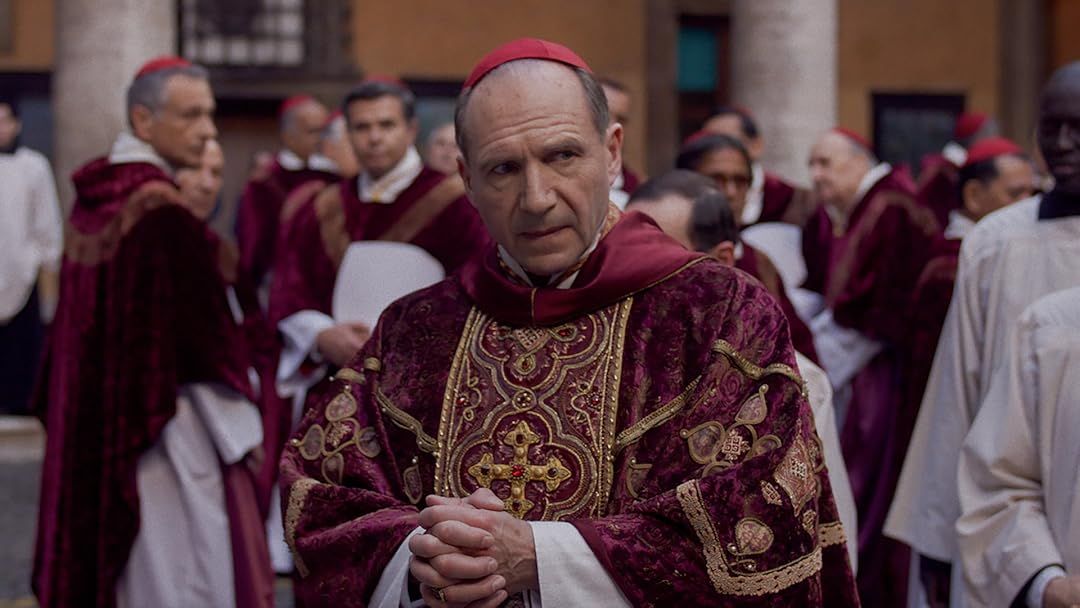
[472,554]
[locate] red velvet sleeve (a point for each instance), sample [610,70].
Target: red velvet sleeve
[745,516]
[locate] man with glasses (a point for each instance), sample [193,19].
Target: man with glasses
[769,198]
[727,163]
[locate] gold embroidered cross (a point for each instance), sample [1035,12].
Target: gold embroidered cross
[519,472]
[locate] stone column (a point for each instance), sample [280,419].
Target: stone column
[784,64]
[99,46]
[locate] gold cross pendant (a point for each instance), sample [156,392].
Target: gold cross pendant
[519,472]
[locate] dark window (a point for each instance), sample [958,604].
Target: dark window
[908,126]
[31,93]
[703,68]
[266,35]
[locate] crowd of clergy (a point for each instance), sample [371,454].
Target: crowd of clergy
[711,386]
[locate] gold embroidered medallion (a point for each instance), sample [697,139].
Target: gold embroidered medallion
[530,413]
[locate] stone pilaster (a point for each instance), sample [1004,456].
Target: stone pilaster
[784,68]
[99,45]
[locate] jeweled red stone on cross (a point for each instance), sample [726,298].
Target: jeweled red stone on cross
[517,470]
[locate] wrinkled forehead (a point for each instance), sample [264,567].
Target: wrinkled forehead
[186,90]
[528,81]
[833,146]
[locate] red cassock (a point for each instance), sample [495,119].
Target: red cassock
[783,202]
[258,213]
[654,405]
[431,213]
[142,310]
[939,187]
[867,271]
[928,307]
[759,266]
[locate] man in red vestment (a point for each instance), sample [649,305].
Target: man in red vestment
[769,198]
[597,416]
[619,104]
[302,120]
[727,169]
[395,198]
[147,492]
[864,249]
[939,188]
[996,173]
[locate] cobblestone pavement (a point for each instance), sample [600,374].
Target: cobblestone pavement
[21,442]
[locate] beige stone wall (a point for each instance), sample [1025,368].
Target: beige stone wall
[441,40]
[916,45]
[32,24]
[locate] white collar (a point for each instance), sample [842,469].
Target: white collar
[872,177]
[387,188]
[955,153]
[755,196]
[959,225]
[130,149]
[291,161]
[519,270]
[617,193]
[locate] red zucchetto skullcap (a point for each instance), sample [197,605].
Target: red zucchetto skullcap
[854,137]
[524,48]
[992,147]
[293,102]
[968,124]
[695,136]
[165,62]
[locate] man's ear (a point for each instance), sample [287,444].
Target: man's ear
[142,122]
[613,141]
[725,252]
[463,171]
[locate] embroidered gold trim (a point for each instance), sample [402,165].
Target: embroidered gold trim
[771,494]
[590,449]
[831,534]
[635,476]
[636,431]
[752,537]
[724,580]
[297,497]
[347,374]
[442,486]
[754,371]
[372,364]
[607,436]
[403,420]
[411,484]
